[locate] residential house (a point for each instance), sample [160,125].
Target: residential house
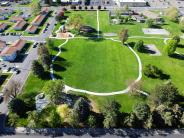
[3,26]
[32,29]
[38,20]
[11,52]
[16,19]
[19,25]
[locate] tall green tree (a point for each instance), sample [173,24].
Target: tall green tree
[139,46]
[82,107]
[141,111]
[123,35]
[35,8]
[171,46]
[38,69]
[75,21]
[165,94]
[54,90]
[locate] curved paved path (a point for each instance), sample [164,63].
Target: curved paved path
[68,88]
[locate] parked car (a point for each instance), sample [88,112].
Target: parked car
[1,98]
[35,45]
[18,71]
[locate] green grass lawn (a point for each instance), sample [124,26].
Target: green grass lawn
[96,65]
[106,27]
[171,66]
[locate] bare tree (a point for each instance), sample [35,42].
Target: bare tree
[12,90]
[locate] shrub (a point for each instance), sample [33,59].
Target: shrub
[152,71]
[80,7]
[170,48]
[18,106]
[139,46]
[99,7]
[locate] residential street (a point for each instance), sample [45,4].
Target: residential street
[25,66]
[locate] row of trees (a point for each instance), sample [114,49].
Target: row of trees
[161,111]
[40,66]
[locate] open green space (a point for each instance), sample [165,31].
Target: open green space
[171,66]
[96,65]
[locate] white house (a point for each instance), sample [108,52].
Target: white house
[9,53]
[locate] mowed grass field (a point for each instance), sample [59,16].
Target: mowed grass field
[96,65]
[170,66]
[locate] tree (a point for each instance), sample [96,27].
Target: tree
[111,113]
[92,121]
[37,69]
[54,89]
[152,71]
[33,119]
[172,14]
[42,49]
[177,38]
[45,61]
[75,21]
[110,120]
[12,90]
[123,35]
[64,111]
[118,13]
[58,18]
[17,106]
[73,119]
[35,8]
[12,119]
[139,46]
[182,23]
[169,118]
[131,120]
[150,23]
[170,48]
[54,120]
[182,119]
[165,94]
[82,107]
[141,111]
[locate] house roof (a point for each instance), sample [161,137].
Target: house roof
[3,26]
[38,19]
[2,43]
[17,46]
[32,28]
[17,18]
[150,15]
[20,24]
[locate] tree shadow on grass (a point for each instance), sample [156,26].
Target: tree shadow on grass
[180,46]
[178,56]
